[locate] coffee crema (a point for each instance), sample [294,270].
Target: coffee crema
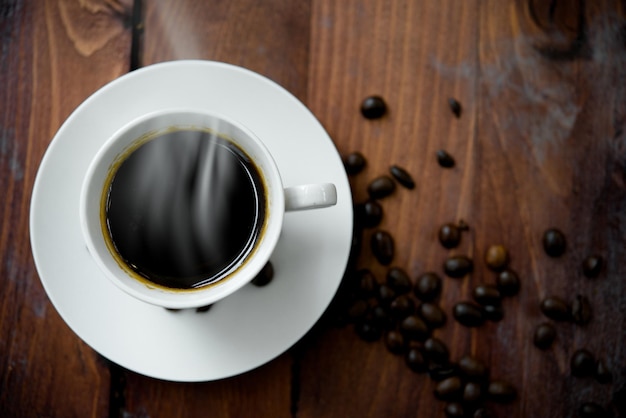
[183,208]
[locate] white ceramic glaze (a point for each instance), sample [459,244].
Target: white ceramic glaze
[251,326]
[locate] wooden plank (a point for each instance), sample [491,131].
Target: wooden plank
[538,145]
[271,38]
[52,56]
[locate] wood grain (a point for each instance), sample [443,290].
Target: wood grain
[48,65]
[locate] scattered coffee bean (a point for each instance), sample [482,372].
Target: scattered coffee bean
[496,257]
[354,163]
[368,214]
[508,283]
[358,310]
[436,350]
[205,308]
[381,318]
[415,360]
[444,159]
[501,392]
[455,106]
[592,266]
[367,285]
[603,374]
[449,389]
[581,310]
[454,410]
[554,242]
[441,371]
[493,313]
[373,107]
[482,413]
[402,176]
[618,400]
[413,328]
[428,286]
[368,331]
[582,363]
[449,235]
[473,369]
[472,392]
[265,276]
[487,294]
[434,316]
[401,307]
[458,266]
[555,308]
[385,295]
[383,247]
[399,280]
[381,187]
[591,410]
[468,314]
[544,336]
[394,342]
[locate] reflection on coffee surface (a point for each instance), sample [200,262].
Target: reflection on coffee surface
[184,207]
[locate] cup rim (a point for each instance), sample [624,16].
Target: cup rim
[177,298]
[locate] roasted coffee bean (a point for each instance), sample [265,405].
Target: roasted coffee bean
[381,318]
[591,410]
[482,413]
[496,257]
[385,295]
[399,280]
[508,283]
[581,310]
[366,283]
[355,247]
[554,242]
[395,342]
[434,316]
[205,308]
[415,360]
[383,247]
[493,313]
[436,350]
[544,336]
[449,235]
[354,163]
[428,286]
[401,307]
[455,106]
[454,410]
[441,371]
[582,363]
[449,389]
[473,369]
[381,187]
[592,266]
[413,328]
[402,176]
[368,331]
[373,107]
[468,314]
[472,392]
[458,266]
[487,294]
[369,214]
[357,310]
[603,374]
[265,276]
[501,392]
[555,308]
[444,159]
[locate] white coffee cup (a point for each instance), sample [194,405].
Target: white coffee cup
[278,199]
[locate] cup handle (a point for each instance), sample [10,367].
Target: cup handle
[310,196]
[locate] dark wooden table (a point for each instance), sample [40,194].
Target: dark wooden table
[540,143]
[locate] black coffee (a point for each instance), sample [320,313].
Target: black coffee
[184,207]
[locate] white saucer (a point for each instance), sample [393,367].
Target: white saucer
[247,329]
